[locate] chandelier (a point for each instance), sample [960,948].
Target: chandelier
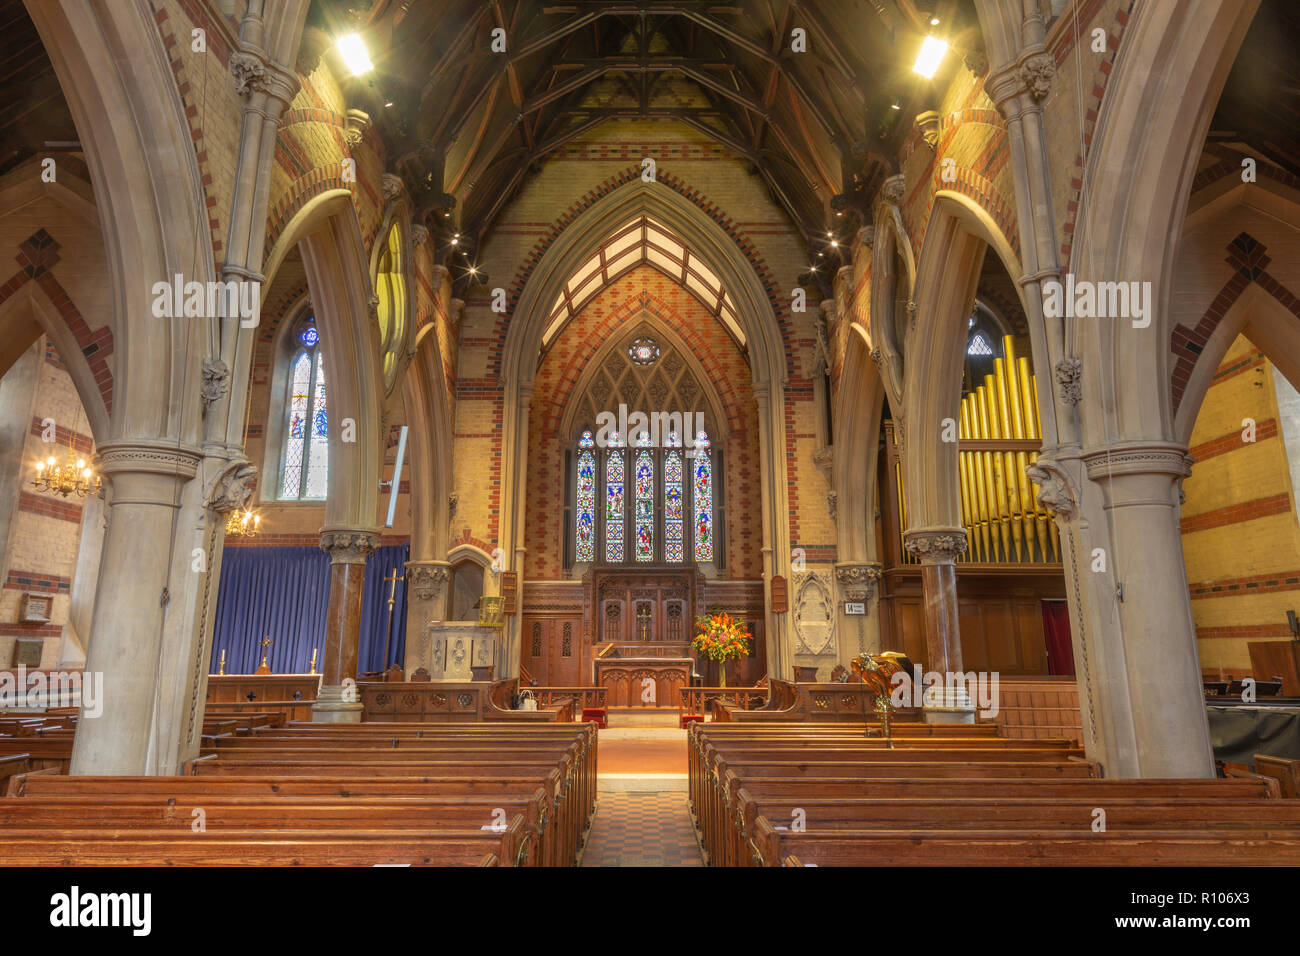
[243,523]
[71,477]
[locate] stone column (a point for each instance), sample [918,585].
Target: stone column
[938,549]
[143,482]
[858,581]
[1156,675]
[347,549]
[426,582]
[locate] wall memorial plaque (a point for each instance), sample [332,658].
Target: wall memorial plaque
[780,596]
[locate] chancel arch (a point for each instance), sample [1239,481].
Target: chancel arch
[760,333]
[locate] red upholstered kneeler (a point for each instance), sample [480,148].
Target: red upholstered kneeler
[594,714]
[688,719]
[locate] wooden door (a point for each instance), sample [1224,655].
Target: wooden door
[552,650]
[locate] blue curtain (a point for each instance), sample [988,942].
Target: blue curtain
[374,609]
[283,593]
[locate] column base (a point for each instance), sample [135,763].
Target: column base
[949,707]
[331,708]
[949,715]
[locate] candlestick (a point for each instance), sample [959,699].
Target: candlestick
[313,661]
[221,664]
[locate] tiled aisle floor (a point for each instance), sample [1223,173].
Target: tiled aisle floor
[642,829]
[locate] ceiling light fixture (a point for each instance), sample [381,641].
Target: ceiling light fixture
[931,55]
[353,50]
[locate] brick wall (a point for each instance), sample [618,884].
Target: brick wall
[1241,537]
[40,555]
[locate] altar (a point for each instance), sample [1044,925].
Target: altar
[643,674]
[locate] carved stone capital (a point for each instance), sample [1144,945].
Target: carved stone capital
[393,187]
[249,72]
[457,311]
[895,189]
[233,487]
[858,581]
[1069,374]
[867,236]
[1138,458]
[1036,73]
[436,275]
[832,502]
[425,579]
[419,235]
[148,457]
[348,545]
[358,121]
[928,122]
[1056,492]
[216,381]
[936,545]
[976,61]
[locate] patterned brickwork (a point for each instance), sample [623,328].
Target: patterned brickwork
[1249,260]
[644,290]
[1237,513]
[1094,87]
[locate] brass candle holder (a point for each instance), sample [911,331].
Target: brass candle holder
[221,664]
[313,661]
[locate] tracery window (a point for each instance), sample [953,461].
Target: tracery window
[304,469]
[669,519]
[647,495]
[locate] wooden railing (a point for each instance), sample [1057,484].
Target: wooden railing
[696,700]
[581,696]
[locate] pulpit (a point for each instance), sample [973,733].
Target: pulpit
[454,648]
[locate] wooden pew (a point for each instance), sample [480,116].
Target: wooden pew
[1027,847]
[1282,769]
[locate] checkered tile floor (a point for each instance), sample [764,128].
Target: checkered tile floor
[642,829]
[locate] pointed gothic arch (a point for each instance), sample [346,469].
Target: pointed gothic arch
[765,350]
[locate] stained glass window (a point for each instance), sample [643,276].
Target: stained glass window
[614,478]
[304,472]
[673,507]
[703,492]
[645,506]
[586,499]
[649,492]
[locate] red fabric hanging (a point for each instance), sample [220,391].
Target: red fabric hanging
[1056,633]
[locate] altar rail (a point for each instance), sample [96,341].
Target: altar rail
[453,701]
[581,696]
[696,700]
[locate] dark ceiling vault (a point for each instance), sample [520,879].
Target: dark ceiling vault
[467,126]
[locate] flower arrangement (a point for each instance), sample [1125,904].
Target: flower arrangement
[721,637]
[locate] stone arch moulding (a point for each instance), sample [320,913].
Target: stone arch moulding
[890,240]
[1270,326]
[766,354]
[424,395]
[31,305]
[717,413]
[397,216]
[1139,172]
[959,235]
[338,281]
[859,400]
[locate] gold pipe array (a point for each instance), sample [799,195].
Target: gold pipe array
[1000,512]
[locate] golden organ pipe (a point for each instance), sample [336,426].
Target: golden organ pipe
[966,522]
[1025,505]
[1005,419]
[1029,399]
[988,503]
[999,468]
